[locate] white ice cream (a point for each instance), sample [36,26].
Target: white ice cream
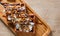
[17,26]
[9,17]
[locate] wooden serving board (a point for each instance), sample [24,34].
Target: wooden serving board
[41,29]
